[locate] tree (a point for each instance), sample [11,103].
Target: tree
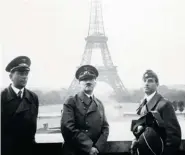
[181,106]
[175,105]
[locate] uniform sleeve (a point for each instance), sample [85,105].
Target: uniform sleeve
[70,133]
[100,144]
[172,126]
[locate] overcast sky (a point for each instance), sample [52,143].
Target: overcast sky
[142,34]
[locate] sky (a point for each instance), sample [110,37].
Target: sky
[142,34]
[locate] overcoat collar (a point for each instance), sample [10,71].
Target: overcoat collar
[12,95]
[151,104]
[84,99]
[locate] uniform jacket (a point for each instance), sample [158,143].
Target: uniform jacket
[18,120]
[83,127]
[167,113]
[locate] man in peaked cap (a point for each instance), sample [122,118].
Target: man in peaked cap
[84,125]
[153,101]
[19,110]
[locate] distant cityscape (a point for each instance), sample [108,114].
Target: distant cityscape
[175,93]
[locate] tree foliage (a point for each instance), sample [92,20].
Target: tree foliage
[177,97]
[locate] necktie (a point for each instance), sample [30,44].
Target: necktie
[144,108]
[91,98]
[144,102]
[19,94]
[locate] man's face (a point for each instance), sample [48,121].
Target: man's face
[87,85]
[19,78]
[150,85]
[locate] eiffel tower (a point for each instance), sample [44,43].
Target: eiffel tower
[96,39]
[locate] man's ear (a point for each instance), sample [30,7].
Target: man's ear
[157,84]
[95,81]
[10,75]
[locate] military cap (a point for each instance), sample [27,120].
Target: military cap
[86,72]
[150,142]
[20,63]
[150,74]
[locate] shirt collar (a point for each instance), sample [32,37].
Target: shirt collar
[149,97]
[88,95]
[16,90]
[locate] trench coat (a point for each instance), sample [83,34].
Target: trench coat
[18,121]
[173,131]
[83,125]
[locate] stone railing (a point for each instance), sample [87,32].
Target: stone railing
[118,142]
[112,147]
[55,141]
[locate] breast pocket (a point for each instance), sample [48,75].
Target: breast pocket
[101,113]
[79,117]
[31,113]
[95,118]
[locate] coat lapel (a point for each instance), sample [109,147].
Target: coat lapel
[153,102]
[10,94]
[93,106]
[23,106]
[85,100]
[81,103]
[138,110]
[27,96]
[25,103]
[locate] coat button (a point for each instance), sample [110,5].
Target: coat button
[86,130]
[86,122]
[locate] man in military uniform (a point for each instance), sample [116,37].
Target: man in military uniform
[153,101]
[19,109]
[84,125]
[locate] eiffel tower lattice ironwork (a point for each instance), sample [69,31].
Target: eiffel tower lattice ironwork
[96,39]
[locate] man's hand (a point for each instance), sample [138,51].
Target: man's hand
[134,146]
[139,129]
[93,151]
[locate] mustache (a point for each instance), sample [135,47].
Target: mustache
[88,84]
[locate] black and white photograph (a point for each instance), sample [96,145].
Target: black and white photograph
[92,77]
